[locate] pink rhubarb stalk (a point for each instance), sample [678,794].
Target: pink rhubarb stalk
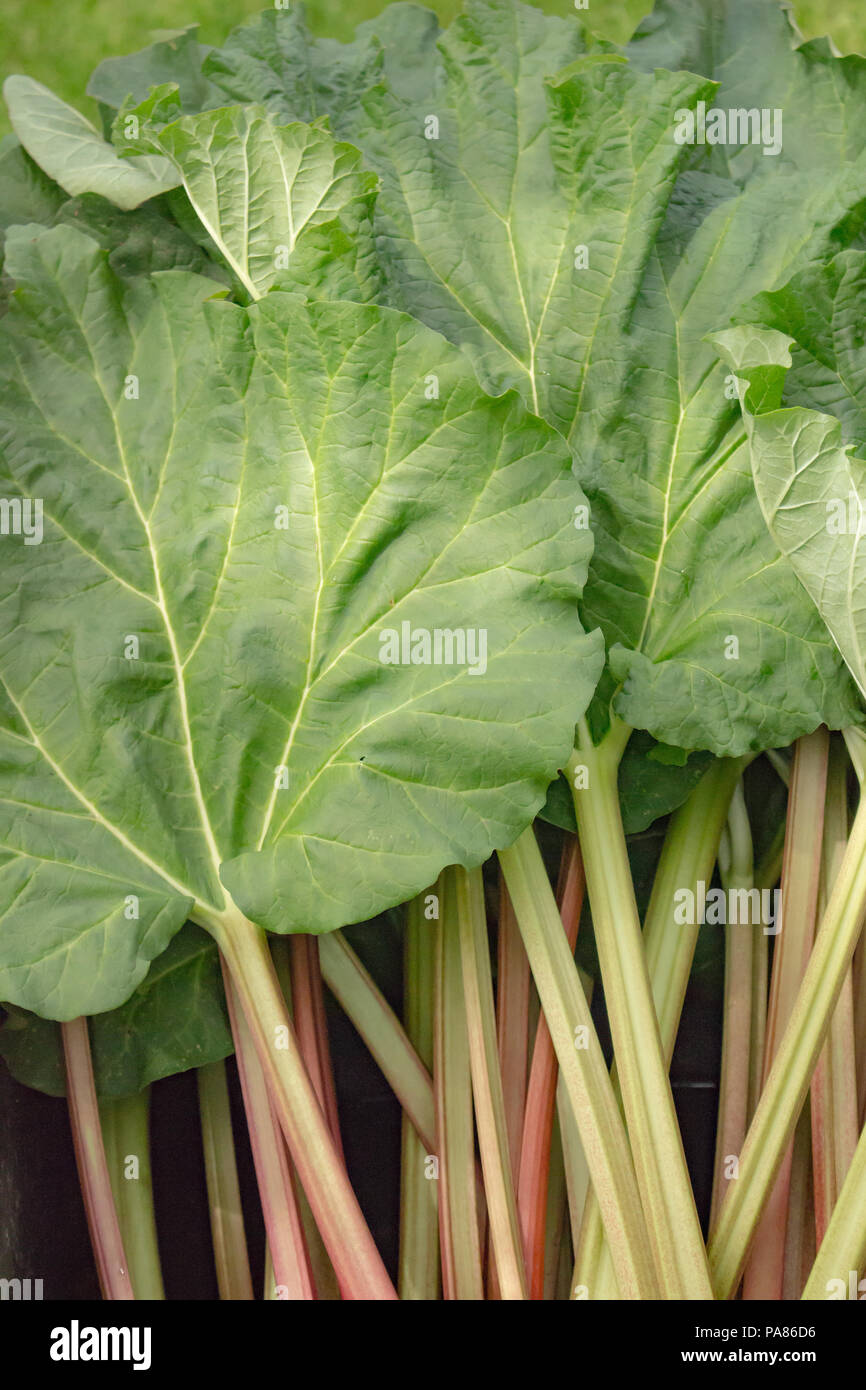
[801,873]
[534,1165]
[93,1175]
[288,1251]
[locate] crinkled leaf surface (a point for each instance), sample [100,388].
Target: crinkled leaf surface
[547,142]
[175,1020]
[70,150]
[275,60]
[711,640]
[493,178]
[804,401]
[139,242]
[26,193]
[193,689]
[176,58]
[282,204]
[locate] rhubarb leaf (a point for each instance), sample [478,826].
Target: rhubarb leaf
[283,205]
[220,666]
[275,61]
[803,394]
[175,58]
[536,222]
[513,211]
[26,193]
[711,642]
[72,152]
[174,1021]
[139,242]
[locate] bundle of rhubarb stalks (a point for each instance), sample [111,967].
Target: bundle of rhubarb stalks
[432,489]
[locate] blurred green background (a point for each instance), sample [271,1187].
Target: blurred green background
[60,44]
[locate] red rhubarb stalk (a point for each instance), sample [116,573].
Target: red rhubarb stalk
[288,1252]
[801,872]
[534,1164]
[308,1009]
[93,1175]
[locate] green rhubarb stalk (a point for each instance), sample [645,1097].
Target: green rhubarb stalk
[843,1250]
[577,1182]
[288,1262]
[660,1165]
[687,860]
[352,1250]
[855,741]
[581,1061]
[590,1252]
[834,1112]
[512,1021]
[513,980]
[576,1169]
[688,856]
[788,1082]
[223,1189]
[105,1238]
[801,875]
[419,1279]
[489,1103]
[366,1007]
[767,875]
[459,1216]
[126,1135]
[858,973]
[737,875]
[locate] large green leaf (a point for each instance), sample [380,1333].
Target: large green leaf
[173,58]
[283,205]
[754,49]
[804,401]
[139,242]
[548,142]
[712,644]
[240,507]
[26,193]
[175,1020]
[73,153]
[493,179]
[275,61]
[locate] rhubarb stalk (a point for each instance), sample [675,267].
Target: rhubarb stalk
[487,1094]
[801,871]
[419,1278]
[93,1175]
[223,1189]
[459,1216]
[668,1202]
